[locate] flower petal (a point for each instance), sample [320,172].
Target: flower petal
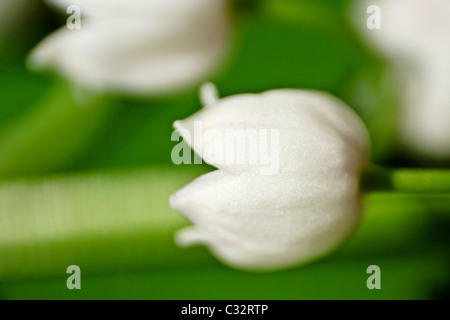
[295,124]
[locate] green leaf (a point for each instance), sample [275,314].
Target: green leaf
[102,222]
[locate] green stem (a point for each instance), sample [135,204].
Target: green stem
[100,222]
[49,137]
[107,222]
[377,178]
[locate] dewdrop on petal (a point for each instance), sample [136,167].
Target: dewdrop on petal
[414,37]
[138,47]
[257,221]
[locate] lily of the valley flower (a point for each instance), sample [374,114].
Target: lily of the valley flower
[138,47]
[414,36]
[255,221]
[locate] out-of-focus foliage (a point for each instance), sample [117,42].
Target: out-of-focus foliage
[277,46]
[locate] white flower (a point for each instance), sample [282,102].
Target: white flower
[138,47]
[256,221]
[414,36]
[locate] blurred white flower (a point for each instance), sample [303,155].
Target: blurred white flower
[142,9]
[414,36]
[256,221]
[138,47]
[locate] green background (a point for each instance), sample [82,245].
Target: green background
[90,186]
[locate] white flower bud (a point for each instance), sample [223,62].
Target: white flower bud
[306,208]
[138,47]
[414,37]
